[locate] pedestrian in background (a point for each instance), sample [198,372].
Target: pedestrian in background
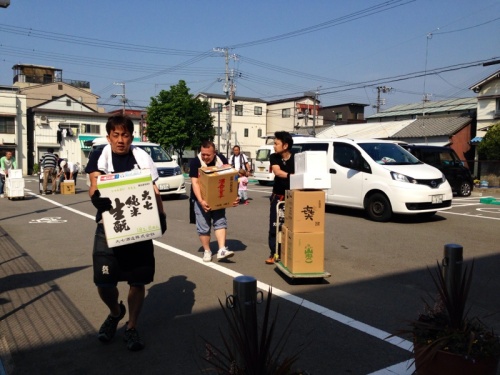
[282,165]
[205,216]
[243,187]
[69,171]
[239,161]
[49,165]
[7,163]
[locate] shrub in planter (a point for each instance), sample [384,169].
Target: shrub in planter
[446,340]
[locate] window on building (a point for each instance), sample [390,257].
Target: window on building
[285,112]
[90,128]
[498,105]
[257,110]
[68,102]
[7,125]
[59,87]
[238,110]
[259,133]
[339,116]
[245,133]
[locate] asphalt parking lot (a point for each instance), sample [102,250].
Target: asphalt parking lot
[50,310]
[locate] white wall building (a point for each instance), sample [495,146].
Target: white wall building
[13,127]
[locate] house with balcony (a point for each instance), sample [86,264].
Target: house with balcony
[295,115]
[247,119]
[58,113]
[488,103]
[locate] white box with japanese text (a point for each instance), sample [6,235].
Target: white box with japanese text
[134,213]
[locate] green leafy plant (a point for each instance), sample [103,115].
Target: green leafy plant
[247,351]
[446,326]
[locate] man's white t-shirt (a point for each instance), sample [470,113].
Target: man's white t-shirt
[236,161]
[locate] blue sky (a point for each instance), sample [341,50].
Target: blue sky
[342,49]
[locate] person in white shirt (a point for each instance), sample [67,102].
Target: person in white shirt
[239,161]
[69,171]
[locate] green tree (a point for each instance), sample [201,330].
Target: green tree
[489,148]
[177,119]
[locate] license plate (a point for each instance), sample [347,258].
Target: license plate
[437,199]
[164,186]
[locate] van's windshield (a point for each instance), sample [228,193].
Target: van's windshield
[263,155]
[389,153]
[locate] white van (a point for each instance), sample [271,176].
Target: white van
[380,177]
[171,180]
[262,166]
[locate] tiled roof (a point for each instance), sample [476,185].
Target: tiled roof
[378,130]
[429,126]
[442,106]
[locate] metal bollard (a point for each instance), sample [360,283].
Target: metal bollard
[245,299]
[452,268]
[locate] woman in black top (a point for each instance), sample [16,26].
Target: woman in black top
[282,165]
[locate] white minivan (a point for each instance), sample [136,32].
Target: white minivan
[262,166]
[380,177]
[170,180]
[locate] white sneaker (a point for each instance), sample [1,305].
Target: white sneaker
[224,253]
[207,256]
[2,196]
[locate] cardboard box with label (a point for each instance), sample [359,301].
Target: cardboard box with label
[218,186]
[68,187]
[284,244]
[134,215]
[305,210]
[305,252]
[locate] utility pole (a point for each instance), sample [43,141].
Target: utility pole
[229,89]
[381,101]
[315,113]
[123,97]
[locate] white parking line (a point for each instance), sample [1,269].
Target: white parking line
[333,315]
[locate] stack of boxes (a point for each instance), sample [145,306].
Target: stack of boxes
[14,184]
[303,233]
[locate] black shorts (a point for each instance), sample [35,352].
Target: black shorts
[134,263]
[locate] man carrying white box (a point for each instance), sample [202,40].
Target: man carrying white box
[133,262]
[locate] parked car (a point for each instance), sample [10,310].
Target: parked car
[380,177]
[170,181]
[262,166]
[447,161]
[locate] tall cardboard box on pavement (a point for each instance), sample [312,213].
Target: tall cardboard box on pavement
[305,252]
[68,187]
[134,215]
[218,186]
[305,210]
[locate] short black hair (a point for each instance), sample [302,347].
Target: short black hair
[285,138]
[119,120]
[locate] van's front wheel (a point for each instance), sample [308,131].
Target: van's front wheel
[378,208]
